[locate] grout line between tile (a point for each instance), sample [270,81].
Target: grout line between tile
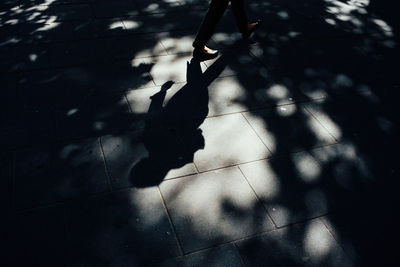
[238,252]
[251,126]
[105,165]
[323,126]
[337,241]
[258,198]
[178,242]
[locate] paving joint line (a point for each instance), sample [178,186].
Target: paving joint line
[180,248]
[258,198]
[337,241]
[105,164]
[259,138]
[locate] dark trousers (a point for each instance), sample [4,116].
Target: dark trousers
[215,12]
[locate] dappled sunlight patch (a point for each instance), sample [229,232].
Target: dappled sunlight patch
[263,179]
[365,92]
[263,130]
[277,91]
[72,112]
[47,27]
[323,132]
[226,95]
[217,205]
[146,203]
[286,110]
[131,24]
[99,125]
[116,25]
[33,57]
[231,134]
[343,11]
[317,241]
[139,100]
[181,44]
[353,16]
[325,120]
[342,80]
[283,15]
[388,31]
[280,214]
[309,169]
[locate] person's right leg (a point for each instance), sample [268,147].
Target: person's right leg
[215,12]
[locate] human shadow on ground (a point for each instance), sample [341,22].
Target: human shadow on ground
[177,137]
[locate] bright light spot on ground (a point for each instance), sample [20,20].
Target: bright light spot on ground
[286,110]
[283,14]
[277,91]
[48,27]
[343,80]
[130,24]
[308,168]
[33,57]
[72,112]
[116,25]
[317,241]
[99,125]
[384,27]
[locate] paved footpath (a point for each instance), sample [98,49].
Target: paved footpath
[119,149]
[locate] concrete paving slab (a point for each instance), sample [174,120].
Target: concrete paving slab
[228,95]
[206,212]
[233,135]
[290,193]
[296,130]
[98,28]
[129,227]
[307,244]
[57,173]
[97,116]
[136,169]
[119,169]
[224,255]
[135,46]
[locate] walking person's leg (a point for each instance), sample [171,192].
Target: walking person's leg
[215,12]
[239,11]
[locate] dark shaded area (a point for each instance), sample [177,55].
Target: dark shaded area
[64,84]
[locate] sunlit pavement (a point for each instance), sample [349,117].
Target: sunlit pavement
[118,149]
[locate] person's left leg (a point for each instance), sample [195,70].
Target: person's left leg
[239,11]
